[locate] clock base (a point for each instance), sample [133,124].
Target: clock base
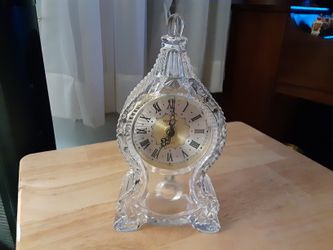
[168,204]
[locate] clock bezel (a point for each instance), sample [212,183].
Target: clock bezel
[186,166]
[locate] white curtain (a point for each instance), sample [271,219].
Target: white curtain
[96,51]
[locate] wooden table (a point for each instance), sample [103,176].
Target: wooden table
[271,198]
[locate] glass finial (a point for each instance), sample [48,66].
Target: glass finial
[175,25]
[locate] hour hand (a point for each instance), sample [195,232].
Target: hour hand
[172,120]
[167,139]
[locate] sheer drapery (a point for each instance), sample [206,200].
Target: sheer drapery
[96,51]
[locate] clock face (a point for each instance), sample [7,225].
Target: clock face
[171,132]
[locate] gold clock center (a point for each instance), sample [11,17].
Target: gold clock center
[181,131]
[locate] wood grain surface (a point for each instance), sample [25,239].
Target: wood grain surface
[271,198]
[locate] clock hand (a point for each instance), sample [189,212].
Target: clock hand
[172,121]
[165,141]
[170,132]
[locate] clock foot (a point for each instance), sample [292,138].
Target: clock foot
[125,224]
[206,224]
[206,218]
[128,218]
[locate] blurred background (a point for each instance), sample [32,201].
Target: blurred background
[67,66]
[95,52]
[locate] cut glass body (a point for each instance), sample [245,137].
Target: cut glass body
[170,131]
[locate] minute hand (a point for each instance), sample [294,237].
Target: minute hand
[172,120]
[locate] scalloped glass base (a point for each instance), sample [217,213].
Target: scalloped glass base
[168,202]
[203,224]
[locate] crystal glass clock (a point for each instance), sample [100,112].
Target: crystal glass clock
[171,131]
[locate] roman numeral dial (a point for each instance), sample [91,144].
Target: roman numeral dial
[171,132]
[194,144]
[196,118]
[145,144]
[157,108]
[141,130]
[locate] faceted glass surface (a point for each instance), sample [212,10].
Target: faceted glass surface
[170,131]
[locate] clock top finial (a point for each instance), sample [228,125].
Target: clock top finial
[175,25]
